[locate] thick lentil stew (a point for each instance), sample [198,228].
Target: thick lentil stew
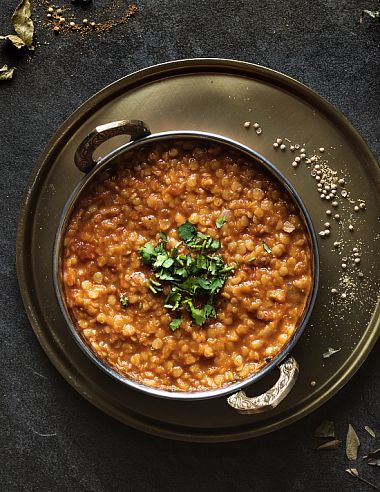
[238,217]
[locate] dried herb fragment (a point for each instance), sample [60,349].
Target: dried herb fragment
[354,473]
[175,324]
[335,444]
[370,431]
[375,14]
[266,247]
[352,443]
[124,301]
[330,351]
[15,40]
[373,458]
[23,24]
[325,429]
[6,73]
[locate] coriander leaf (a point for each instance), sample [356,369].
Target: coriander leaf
[147,253]
[161,258]
[187,231]
[215,245]
[168,263]
[219,223]
[175,323]
[163,236]
[23,24]
[198,315]
[124,301]
[6,73]
[266,247]
[172,300]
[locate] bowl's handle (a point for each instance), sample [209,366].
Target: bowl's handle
[269,400]
[84,154]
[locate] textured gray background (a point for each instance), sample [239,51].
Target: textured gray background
[50,437]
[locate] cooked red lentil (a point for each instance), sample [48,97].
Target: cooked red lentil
[157,190]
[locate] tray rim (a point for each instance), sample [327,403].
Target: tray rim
[54,146]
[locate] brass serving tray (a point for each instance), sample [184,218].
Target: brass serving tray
[215,96]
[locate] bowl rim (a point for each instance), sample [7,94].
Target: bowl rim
[102,164]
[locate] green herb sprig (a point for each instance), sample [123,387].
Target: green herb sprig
[191,280]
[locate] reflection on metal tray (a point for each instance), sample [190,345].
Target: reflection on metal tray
[217,96]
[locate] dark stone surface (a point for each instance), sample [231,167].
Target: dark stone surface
[50,437]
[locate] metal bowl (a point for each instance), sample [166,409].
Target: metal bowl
[141,136]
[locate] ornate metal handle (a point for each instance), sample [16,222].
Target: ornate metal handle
[84,155]
[269,400]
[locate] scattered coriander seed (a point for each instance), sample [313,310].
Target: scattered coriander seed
[256,125]
[259,131]
[279,141]
[334,204]
[282,146]
[344,295]
[336,216]
[275,145]
[323,181]
[308,161]
[62,20]
[313,159]
[313,383]
[317,166]
[247,124]
[318,178]
[49,16]
[319,173]
[343,193]
[341,181]
[72,24]
[292,148]
[59,11]
[333,192]
[362,205]
[303,150]
[356,254]
[50,9]
[313,173]
[356,208]
[351,227]
[327,232]
[303,156]
[321,149]
[334,186]
[323,196]
[327,187]
[361,274]
[344,266]
[92,24]
[334,291]
[297,146]
[295,164]
[328,212]
[355,250]
[327,225]
[322,233]
[336,244]
[319,186]
[357,260]
[85,21]
[344,259]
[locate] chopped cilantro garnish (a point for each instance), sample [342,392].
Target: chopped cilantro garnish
[219,223]
[191,279]
[124,301]
[266,247]
[175,323]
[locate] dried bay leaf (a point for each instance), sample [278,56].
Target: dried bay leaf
[329,445]
[330,351]
[6,73]
[15,40]
[352,443]
[23,24]
[373,458]
[325,429]
[370,431]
